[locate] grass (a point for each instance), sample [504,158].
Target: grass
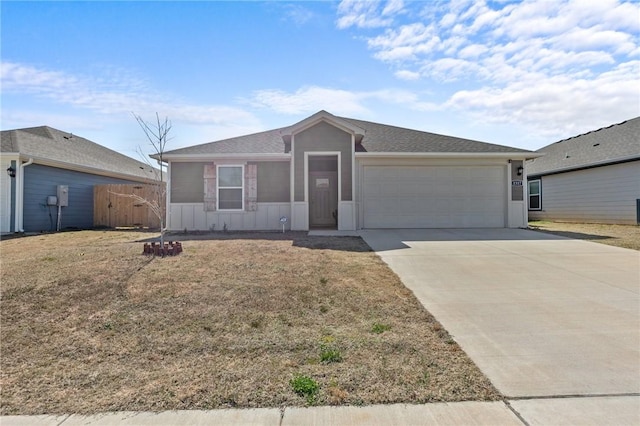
[305,386]
[625,236]
[88,324]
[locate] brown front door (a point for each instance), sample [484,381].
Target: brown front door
[323,199]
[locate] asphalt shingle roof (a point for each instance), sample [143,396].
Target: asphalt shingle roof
[257,143]
[377,138]
[47,143]
[385,138]
[603,146]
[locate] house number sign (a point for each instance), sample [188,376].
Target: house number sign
[516,183]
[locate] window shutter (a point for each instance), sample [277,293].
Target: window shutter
[251,187]
[210,187]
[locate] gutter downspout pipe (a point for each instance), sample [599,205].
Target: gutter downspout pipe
[20,196]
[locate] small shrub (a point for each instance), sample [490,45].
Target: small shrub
[324,309]
[328,351]
[323,280]
[305,386]
[379,328]
[330,354]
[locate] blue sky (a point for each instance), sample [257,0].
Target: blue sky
[522,74]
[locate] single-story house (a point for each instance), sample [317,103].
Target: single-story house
[593,177]
[340,173]
[42,162]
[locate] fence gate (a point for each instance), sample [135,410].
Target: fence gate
[113,208]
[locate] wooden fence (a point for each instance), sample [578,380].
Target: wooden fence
[113,210]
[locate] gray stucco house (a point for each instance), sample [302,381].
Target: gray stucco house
[593,177]
[340,173]
[35,161]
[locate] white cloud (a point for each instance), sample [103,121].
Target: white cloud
[307,100]
[297,13]
[407,43]
[368,13]
[311,99]
[407,75]
[473,51]
[559,104]
[392,7]
[547,64]
[114,94]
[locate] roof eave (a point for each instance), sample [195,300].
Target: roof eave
[507,155]
[626,159]
[87,169]
[231,156]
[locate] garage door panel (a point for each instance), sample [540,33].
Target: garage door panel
[434,196]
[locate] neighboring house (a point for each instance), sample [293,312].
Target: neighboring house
[594,177]
[41,159]
[340,173]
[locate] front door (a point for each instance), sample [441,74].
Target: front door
[323,199]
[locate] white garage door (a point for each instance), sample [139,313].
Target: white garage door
[434,196]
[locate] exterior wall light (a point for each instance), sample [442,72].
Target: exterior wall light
[11,172]
[519,170]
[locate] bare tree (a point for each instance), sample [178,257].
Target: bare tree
[158,135]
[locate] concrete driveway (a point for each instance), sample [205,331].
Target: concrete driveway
[542,316]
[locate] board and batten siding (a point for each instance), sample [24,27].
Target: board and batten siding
[41,181]
[323,137]
[604,194]
[193,217]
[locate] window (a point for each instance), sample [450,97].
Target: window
[230,187]
[534,195]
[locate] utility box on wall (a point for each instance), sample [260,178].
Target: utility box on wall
[63,195]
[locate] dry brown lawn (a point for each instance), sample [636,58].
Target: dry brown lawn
[626,236]
[88,324]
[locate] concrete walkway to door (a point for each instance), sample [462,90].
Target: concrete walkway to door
[542,316]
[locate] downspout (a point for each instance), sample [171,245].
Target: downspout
[167,200]
[20,196]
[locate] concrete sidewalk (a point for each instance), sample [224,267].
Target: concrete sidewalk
[467,413]
[619,411]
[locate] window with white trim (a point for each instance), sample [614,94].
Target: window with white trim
[534,194]
[230,187]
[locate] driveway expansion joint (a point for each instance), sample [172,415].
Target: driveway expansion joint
[590,395]
[65,419]
[515,412]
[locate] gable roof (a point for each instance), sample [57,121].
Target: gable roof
[54,147]
[370,137]
[612,144]
[323,116]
